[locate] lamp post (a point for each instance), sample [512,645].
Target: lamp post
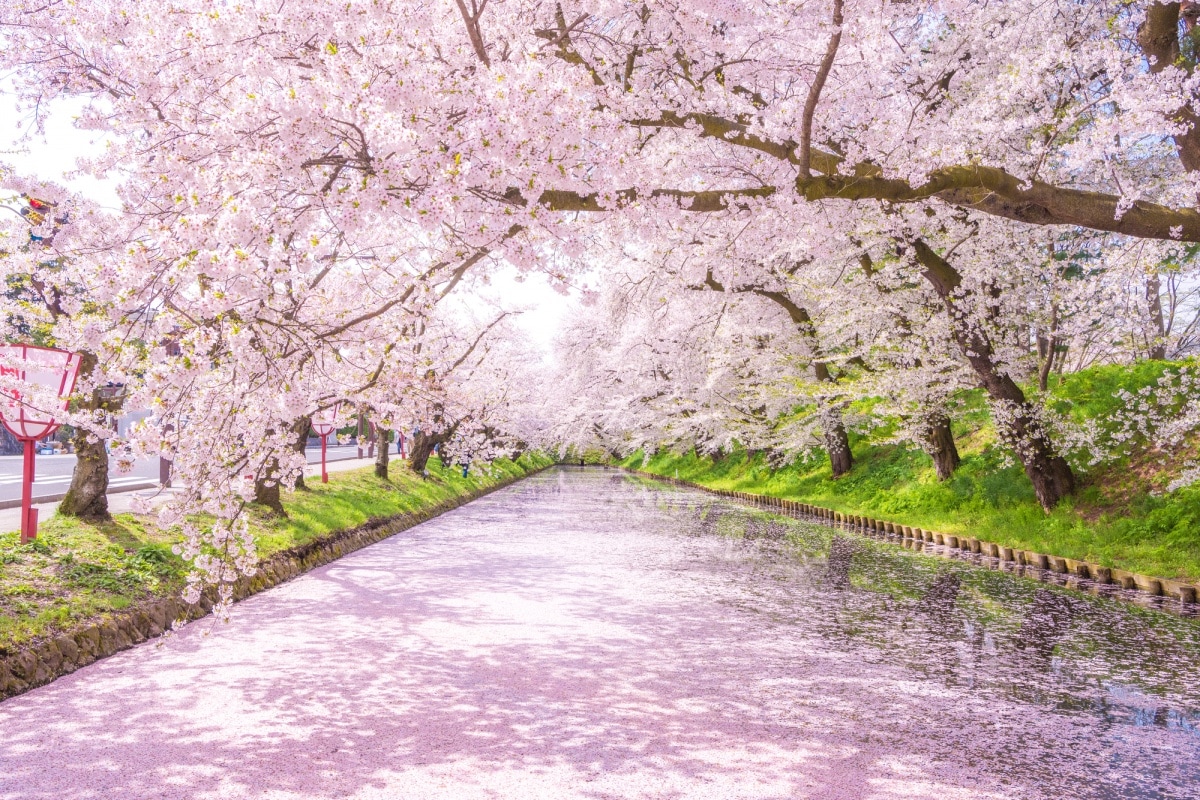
[48,369]
[323,424]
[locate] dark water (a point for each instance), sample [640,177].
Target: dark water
[1110,671]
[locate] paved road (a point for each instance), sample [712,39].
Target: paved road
[582,635]
[54,472]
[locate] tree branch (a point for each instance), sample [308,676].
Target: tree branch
[473,29]
[814,91]
[475,343]
[986,189]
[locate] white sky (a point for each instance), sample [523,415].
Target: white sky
[52,156]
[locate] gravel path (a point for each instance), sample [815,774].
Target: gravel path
[557,639]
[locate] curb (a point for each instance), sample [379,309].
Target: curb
[45,661]
[1093,574]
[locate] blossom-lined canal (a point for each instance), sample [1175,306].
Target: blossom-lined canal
[590,634]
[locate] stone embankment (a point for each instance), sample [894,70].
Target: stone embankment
[1085,574]
[42,662]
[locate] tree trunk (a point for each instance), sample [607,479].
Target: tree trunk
[384,438]
[266,487]
[1158,345]
[423,444]
[1049,472]
[1047,365]
[87,498]
[1048,349]
[299,444]
[269,496]
[837,442]
[421,450]
[939,443]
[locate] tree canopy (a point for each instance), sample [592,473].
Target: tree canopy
[788,206]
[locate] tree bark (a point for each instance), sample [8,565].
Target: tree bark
[269,495]
[939,442]
[939,437]
[423,444]
[381,454]
[266,487]
[1158,346]
[87,496]
[837,442]
[1049,472]
[1047,363]
[1048,350]
[989,190]
[1158,37]
[300,427]
[422,449]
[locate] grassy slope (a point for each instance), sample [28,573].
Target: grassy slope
[1121,517]
[75,572]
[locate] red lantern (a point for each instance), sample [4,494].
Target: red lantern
[324,423]
[54,371]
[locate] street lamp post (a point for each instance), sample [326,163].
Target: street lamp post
[47,368]
[323,424]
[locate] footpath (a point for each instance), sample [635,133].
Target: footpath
[351,512]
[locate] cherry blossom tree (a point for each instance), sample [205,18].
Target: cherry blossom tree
[302,185]
[54,297]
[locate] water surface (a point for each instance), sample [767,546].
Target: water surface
[590,634]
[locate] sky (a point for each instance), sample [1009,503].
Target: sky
[53,154]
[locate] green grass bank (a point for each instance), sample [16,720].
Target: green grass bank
[1122,516]
[77,574]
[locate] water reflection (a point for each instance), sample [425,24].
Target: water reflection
[1104,665]
[1047,620]
[942,594]
[841,554]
